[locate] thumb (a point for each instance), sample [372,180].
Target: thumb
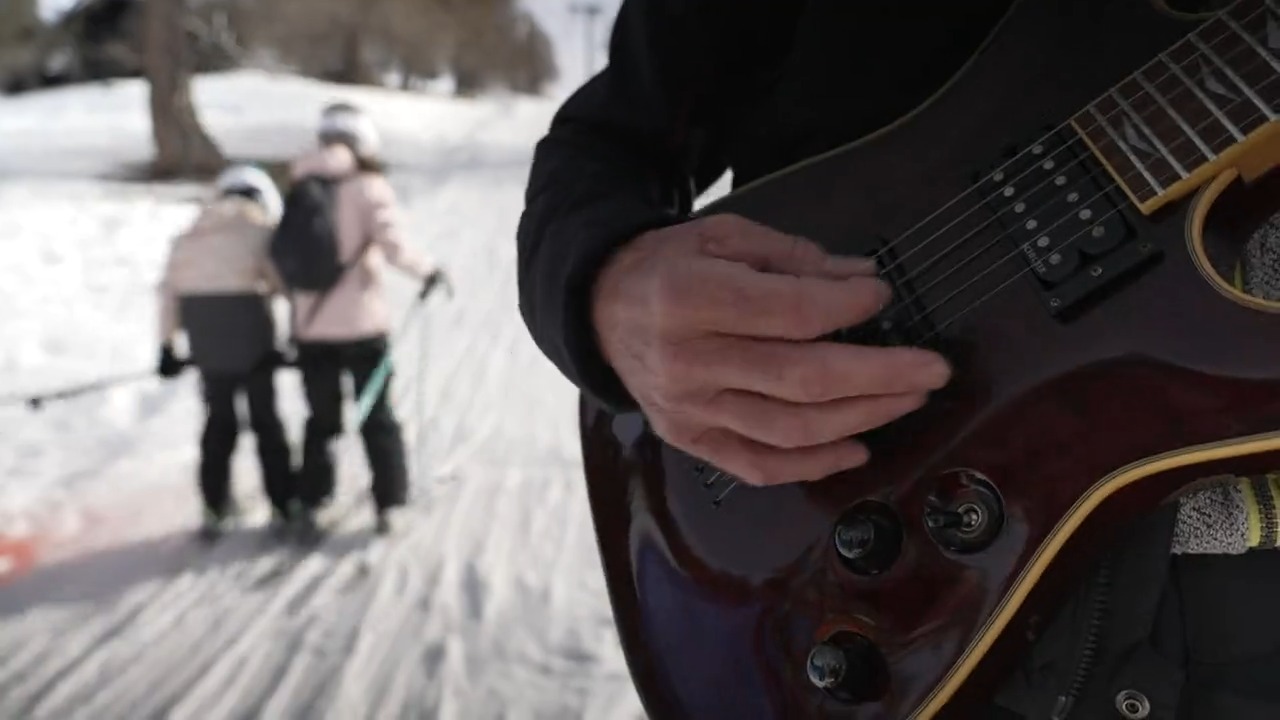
[765,249]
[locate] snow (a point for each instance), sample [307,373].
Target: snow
[490,605]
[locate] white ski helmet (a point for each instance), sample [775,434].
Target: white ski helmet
[348,125]
[255,180]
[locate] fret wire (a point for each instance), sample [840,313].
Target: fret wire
[1125,148]
[1213,107]
[1248,37]
[940,327]
[1146,129]
[1177,118]
[1209,53]
[1208,104]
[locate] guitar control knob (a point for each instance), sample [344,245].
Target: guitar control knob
[868,538]
[849,668]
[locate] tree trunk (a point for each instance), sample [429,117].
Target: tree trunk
[355,69]
[183,148]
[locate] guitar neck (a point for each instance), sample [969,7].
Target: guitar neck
[1206,104]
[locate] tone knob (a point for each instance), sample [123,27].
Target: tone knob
[827,666]
[849,668]
[868,537]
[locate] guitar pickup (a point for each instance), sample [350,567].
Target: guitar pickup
[1054,210]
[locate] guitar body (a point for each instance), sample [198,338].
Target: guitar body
[1076,423]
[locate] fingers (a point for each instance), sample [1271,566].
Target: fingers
[783,425]
[733,299]
[819,372]
[764,249]
[757,464]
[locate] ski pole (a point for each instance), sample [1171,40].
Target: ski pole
[378,380]
[37,402]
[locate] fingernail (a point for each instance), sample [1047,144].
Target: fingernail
[886,293]
[937,368]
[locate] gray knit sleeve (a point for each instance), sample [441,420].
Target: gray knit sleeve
[1215,520]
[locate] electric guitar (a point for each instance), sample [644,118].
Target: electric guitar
[1105,360]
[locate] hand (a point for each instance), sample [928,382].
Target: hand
[169,366]
[701,323]
[277,358]
[434,278]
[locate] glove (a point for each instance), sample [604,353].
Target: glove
[277,358]
[436,277]
[170,366]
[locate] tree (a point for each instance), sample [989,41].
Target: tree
[183,148]
[484,44]
[19,28]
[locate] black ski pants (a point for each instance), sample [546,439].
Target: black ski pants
[323,366]
[222,428]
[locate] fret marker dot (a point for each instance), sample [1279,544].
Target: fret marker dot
[1085,214]
[1037,150]
[1020,207]
[1009,191]
[1060,180]
[1073,196]
[1098,231]
[1048,164]
[1043,241]
[1055,259]
[1031,225]
[998,176]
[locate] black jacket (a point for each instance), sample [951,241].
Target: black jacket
[229,334]
[695,88]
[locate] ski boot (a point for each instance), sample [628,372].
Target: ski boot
[309,527]
[284,522]
[391,521]
[215,523]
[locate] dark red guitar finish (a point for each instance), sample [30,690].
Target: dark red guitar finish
[720,607]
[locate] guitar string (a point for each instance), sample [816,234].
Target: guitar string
[908,300]
[711,481]
[1181,88]
[1019,250]
[1042,233]
[997,176]
[1197,54]
[1159,58]
[905,301]
[1001,286]
[719,474]
[1073,143]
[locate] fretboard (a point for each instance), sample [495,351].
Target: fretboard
[1193,110]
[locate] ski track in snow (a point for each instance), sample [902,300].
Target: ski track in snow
[491,603]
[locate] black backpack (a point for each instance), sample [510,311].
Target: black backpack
[304,246]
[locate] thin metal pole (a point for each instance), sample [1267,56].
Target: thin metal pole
[590,12]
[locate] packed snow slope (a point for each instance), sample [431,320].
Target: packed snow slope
[491,605]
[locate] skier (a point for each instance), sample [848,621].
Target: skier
[340,227]
[217,286]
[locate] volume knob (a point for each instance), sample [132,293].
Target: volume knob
[868,538]
[848,667]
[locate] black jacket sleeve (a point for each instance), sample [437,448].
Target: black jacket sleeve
[629,152]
